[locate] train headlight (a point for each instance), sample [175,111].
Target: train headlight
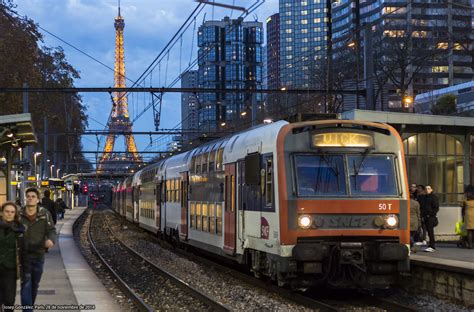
[391,221]
[304,221]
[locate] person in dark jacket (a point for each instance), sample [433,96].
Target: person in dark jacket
[429,206]
[13,260]
[415,221]
[61,207]
[39,236]
[47,203]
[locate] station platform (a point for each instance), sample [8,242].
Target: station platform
[447,257]
[68,283]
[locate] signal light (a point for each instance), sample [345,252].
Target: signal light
[85,188]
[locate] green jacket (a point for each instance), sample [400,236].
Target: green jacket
[38,231]
[12,247]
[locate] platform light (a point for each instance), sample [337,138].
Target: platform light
[223,124]
[243,113]
[267,121]
[351,44]
[304,221]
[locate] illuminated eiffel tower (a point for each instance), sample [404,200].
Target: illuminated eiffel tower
[119,123]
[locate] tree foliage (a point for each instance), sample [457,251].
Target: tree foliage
[445,105]
[24,59]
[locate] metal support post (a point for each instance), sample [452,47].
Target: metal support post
[369,68]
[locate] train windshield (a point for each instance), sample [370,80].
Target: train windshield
[372,175]
[320,175]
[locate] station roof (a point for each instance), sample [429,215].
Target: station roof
[16,130]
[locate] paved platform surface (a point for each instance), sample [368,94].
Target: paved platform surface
[447,256]
[67,277]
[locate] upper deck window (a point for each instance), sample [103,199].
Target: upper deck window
[318,175]
[372,175]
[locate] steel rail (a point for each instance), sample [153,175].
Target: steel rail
[192,291]
[283,292]
[141,305]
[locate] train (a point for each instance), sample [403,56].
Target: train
[305,204]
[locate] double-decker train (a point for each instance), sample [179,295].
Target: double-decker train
[310,203]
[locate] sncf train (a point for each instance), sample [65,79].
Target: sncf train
[310,203]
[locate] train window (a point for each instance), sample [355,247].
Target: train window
[269,182]
[219,159]
[192,212]
[372,175]
[168,190]
[193,164]
[212,160]
[198,216]
[178,190]
[205,220]
[219,219]
[212,218]
[320,175]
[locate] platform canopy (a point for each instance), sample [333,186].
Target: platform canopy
[16,130]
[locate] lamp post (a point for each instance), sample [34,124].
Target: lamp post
[51,171]
[36,171]
[57,173]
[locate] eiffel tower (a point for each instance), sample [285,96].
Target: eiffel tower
[119,123]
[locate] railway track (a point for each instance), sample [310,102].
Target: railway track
[147,285]
[343,303]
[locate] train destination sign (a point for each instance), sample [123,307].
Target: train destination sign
[342,139]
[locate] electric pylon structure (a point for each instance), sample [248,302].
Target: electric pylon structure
[119,122]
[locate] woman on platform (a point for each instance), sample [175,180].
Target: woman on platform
[468,215]
[12,254]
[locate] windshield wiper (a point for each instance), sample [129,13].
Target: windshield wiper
[330,165]
[357,170]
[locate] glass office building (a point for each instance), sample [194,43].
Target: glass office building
[230,57]
[303,40]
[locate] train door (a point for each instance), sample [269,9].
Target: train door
[251,194]
[158,206]
[230,211]
[183,233]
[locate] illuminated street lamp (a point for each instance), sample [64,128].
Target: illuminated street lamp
[351,44]
[407,101]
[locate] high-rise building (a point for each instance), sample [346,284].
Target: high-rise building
[437,36]
[230,57]
[303,40]
[189,105]
[273,51]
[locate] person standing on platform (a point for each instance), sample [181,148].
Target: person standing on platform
[47,203]
[60,208]
[420,198]
[415,221]
[39,236]
[13,261]
[413,191]
[429,210]
[468,215]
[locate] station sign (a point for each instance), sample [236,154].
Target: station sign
[44,183]
[342,139]
[14,183]
[32,178]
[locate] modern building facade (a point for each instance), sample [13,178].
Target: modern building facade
[230,57]
[273,51]
[303,40]
[438,32]
[464,93]
[189,105]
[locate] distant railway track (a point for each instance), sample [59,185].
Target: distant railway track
[362,300]
[148,286]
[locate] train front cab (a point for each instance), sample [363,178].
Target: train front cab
[344,206]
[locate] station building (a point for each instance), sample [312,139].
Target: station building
[439,152]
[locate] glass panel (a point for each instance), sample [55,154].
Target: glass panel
[460,174]
[372,175]
[405,146]
[459,149]
[412,145]
[431,146]
[440,168]
[432,173]
[219,219]
[411,170]
[192,219]
[212,219]
[219,159]
[204,217]
[441,144]
[422,144]
[450,176]
[450,145]
[320,175]
[198,216]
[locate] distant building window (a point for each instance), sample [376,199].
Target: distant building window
[436,159]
